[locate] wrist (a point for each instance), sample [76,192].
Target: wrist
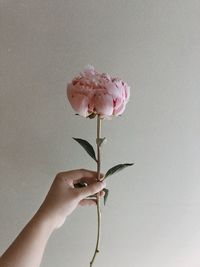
[44,220]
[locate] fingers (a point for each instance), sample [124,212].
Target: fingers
[90,201]
[84,176]
[101,194]
[91,189]
[87,202]
[81,175]
[90,180]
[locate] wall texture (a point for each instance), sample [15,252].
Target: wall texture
[153,213]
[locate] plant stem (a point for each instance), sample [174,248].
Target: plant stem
[97,195]
[98,148]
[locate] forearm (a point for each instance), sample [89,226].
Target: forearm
[28,248]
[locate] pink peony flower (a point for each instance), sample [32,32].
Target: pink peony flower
[93,93]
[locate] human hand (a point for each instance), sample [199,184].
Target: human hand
[63,197]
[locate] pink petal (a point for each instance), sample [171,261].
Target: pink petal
[120,109]
[118,102]
[103,104]
[78,101]
[127,92]
[113,90]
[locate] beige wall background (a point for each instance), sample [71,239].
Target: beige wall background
[153,214]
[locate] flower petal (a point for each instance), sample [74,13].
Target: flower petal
[103,104]
[118,111]
[78,101]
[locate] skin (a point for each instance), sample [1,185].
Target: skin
[62,199]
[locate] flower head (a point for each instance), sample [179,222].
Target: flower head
[93,93]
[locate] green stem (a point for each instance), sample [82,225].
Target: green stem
[98,196]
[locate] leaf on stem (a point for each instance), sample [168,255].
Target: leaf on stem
[106,195]
[100,141]
[88,148]
[117,168]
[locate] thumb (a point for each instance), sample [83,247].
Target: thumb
[92,189]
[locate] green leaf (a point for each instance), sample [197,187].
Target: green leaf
[100,141]
[106,195]
[88,148]
[117,168]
